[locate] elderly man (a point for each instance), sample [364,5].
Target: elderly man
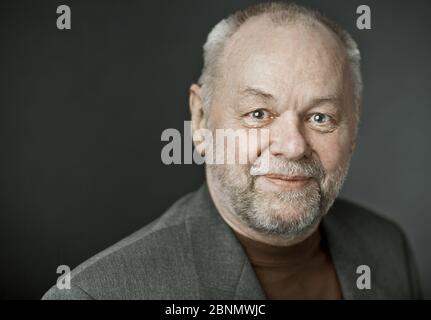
[273,231]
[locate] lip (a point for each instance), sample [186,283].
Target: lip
[288,181]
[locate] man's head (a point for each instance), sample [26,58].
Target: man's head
[287,70]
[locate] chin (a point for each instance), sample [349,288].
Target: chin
[289,214]
[278,217]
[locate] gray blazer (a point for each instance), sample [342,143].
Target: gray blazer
[190,253]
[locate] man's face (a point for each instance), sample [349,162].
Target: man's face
[295,82]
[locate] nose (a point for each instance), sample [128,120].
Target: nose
[287,138]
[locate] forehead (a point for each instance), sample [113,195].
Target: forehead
[295,59]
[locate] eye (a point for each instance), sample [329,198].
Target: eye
[320,118]
[258,117]
[258,114]
[322,122]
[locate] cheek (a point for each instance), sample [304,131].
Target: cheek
[333,150]
[253,140]
[257,142]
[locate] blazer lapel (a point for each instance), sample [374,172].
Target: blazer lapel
[347,252]
[223,269]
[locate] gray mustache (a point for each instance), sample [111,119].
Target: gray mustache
[306,168]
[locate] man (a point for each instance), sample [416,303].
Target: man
[270,227]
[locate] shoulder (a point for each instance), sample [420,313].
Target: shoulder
[364,222]
[366,236]
[365,228]
[359,216]
[141,266]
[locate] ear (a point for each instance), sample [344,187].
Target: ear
[197,116]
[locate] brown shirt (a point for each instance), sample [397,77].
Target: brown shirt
[300,271]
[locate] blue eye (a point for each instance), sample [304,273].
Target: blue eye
[258,114]
[320,118]
[258,117]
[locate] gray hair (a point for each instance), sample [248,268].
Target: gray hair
[279,13]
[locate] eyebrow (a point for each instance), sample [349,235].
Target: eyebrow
[335,99]
[256,92]
[250,91]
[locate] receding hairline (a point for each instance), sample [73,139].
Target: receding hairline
[294,22]
[309,25]
[280,14]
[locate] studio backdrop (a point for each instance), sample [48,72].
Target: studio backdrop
[83,108]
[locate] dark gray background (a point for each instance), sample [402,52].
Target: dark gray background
[82,112]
